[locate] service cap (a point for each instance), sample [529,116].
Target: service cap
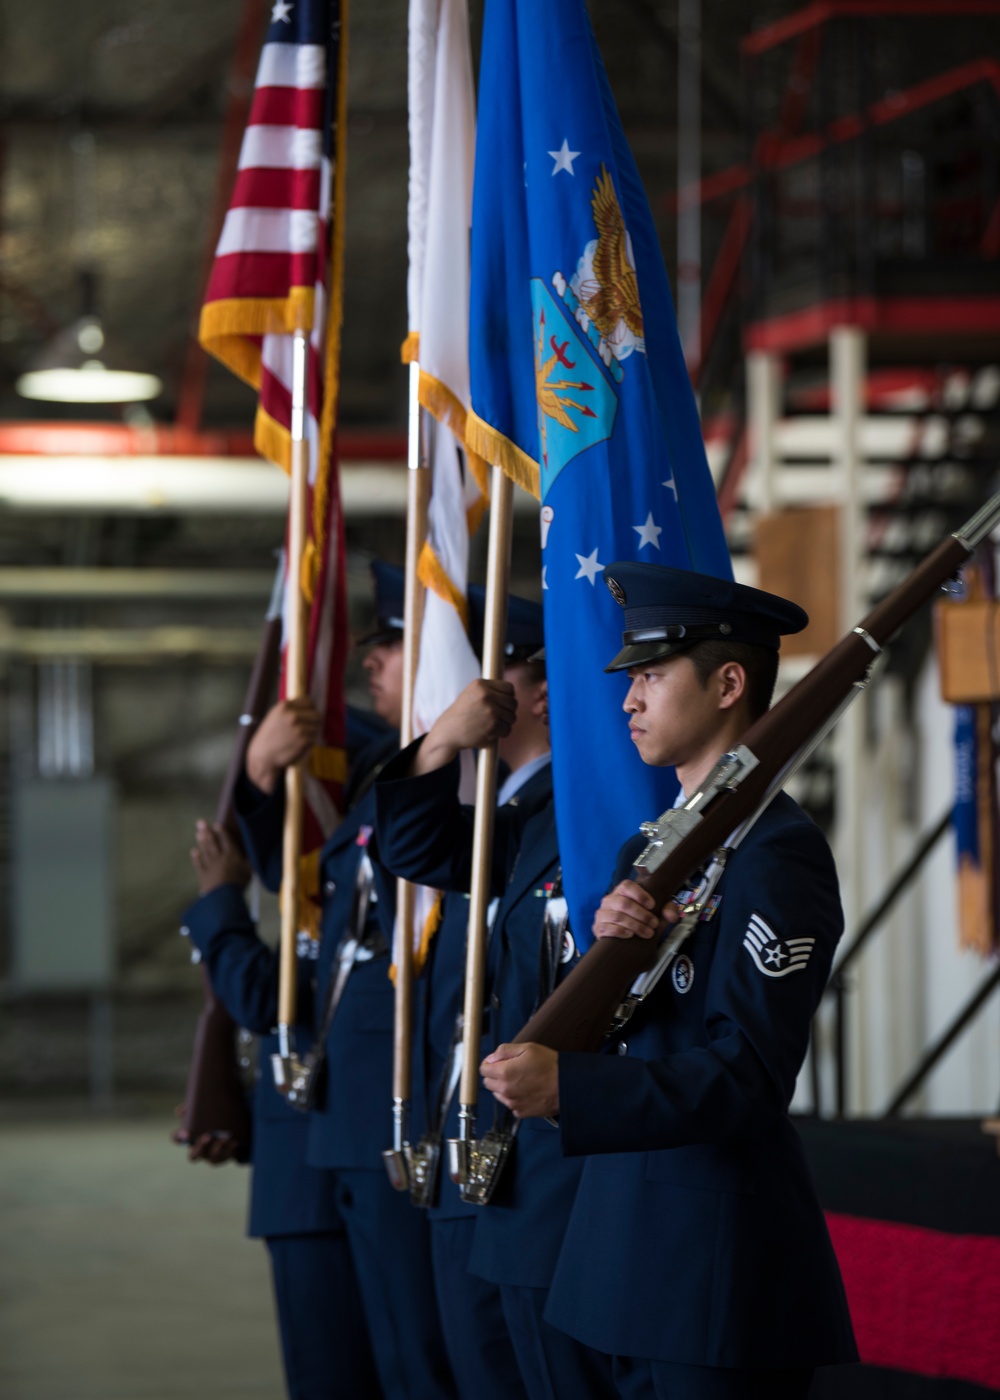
[389,582]
[669,609]
[525,632]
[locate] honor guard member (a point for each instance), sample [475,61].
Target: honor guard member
[325,1345]
[509,1246]
[349,1120]
[696,1254]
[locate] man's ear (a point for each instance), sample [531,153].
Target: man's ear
[539,699]
[732,682]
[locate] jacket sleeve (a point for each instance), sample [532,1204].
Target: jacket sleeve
[424,833]
[243,970]
[756,1018]
[261,818]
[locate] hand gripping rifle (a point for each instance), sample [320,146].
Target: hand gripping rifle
[688,847]
[214,1099]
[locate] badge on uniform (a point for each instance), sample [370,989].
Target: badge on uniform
[774,956]
[683,974]
[364,835]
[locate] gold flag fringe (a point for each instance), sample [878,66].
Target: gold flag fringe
[328,764]
[225,327]
[431,925]
[492,445]
[433,575]
[410,348]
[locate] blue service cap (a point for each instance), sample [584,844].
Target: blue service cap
[525,632]
[667,610]
[389,582]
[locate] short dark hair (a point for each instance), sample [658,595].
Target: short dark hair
[759,663]
[534,670]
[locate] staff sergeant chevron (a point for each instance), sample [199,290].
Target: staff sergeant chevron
[774,956]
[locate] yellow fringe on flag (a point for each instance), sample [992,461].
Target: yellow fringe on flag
[410,348]
[446,407]
[498,449]
[475,513]
[433,575]
[480,470]
[272,440]
[431,925]
[225,326]
[328,764]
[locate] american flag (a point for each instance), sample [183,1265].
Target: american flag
[279,269]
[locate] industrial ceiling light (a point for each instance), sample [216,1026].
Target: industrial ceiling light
[71,369]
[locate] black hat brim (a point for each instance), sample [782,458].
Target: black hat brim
[384,637]
[640,653]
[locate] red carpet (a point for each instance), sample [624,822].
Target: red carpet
[921,1300]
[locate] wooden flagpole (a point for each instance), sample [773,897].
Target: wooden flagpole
[296,687]
[417,500]
[497,590]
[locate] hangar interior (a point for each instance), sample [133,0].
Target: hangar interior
[827,195]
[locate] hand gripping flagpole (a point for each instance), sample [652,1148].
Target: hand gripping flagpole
[296,687]
[465,1163]
[417,498]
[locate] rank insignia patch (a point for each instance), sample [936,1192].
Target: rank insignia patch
[683,974]
[774,956]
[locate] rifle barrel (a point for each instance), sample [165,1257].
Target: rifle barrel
[577,1014]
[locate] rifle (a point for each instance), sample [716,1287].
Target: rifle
[689,846]
[214,1099]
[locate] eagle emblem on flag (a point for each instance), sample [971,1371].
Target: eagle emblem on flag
[774,956]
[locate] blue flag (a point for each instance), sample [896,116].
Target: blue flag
[580,391]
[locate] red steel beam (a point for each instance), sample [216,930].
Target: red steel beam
[46,439]
[773,35]
[775,153]
[912,316]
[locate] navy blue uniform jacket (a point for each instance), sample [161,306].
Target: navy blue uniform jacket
[696,1237]
[352,1121]
[286,1196]
[424,833]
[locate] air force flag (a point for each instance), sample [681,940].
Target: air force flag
[580,391]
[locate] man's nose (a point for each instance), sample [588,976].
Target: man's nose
[631,703]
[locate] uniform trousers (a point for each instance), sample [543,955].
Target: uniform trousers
[661,1380]
[390,1250]
[324,1336]
[553,1365]
[472,1316]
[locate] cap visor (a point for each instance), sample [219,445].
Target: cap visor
[381,638]
[640,654]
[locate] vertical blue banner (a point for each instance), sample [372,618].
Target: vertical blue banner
[580,391]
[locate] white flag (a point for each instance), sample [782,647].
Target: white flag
[442,149]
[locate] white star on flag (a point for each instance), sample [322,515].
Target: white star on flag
[590,566]
[648,533]
[281,10]
[671,484]
[564,158]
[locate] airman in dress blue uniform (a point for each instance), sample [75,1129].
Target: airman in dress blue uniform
[471,1310]
[324,1336]
[386,1242]
[696,1255]
[502,1255]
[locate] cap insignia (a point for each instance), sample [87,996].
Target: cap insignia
[616,591]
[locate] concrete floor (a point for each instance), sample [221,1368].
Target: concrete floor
[124,1270]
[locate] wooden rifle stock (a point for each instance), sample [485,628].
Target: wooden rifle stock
[579,1012]
[215,1100]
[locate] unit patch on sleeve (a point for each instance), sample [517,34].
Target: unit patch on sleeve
[774,956]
